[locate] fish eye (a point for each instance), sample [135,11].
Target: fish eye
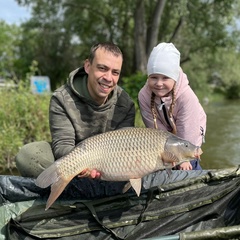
[186,144]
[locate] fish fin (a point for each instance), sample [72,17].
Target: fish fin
[168,157]
[136,183]
[56,189]
[126,187]
[48,176]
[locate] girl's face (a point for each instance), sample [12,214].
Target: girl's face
[160,85]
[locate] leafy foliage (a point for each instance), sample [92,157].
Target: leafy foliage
[229,76]
[60,33]
[10,38]
[24,118]
[133,84]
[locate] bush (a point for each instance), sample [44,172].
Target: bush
[233,91]
[23,119]
[132,85]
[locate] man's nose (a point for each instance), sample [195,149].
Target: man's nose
[108,76]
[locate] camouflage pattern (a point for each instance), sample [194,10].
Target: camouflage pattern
[74,117]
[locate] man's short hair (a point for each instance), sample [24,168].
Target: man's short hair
[108,46]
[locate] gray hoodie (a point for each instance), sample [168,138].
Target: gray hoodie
[74,116]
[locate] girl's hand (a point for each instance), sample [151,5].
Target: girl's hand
[185,166]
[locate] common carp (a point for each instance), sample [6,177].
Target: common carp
[126,154]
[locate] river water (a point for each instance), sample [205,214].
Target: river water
[222,146]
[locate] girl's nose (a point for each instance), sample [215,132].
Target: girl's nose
[159,82]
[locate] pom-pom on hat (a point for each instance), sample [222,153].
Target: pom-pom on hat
[164,59]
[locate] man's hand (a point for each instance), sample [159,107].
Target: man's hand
[90,173]
[95,174]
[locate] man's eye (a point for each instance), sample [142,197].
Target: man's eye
[101,68]
[115,73]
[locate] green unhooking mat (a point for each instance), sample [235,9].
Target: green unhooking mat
[203,206]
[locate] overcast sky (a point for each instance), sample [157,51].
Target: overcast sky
[12,13]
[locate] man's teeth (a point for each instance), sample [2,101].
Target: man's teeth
[104,86]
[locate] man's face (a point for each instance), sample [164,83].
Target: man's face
[103,74]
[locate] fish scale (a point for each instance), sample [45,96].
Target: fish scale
[120,155]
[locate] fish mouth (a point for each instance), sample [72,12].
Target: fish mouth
[198,152]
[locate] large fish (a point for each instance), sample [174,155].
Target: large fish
[122,155]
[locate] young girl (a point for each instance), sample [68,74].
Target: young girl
[167,101]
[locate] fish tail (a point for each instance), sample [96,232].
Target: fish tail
[56,189]
[51,176]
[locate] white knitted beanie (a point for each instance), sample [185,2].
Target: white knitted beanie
[164,59]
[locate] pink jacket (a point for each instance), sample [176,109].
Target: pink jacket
[188,114]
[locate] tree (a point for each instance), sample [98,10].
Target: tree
[10,36]
[194,26]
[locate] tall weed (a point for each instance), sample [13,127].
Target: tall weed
[23,119]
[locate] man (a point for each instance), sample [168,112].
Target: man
[90,103]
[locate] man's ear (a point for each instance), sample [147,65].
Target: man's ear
[86,66]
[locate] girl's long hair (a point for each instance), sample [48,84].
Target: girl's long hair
[170,111]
